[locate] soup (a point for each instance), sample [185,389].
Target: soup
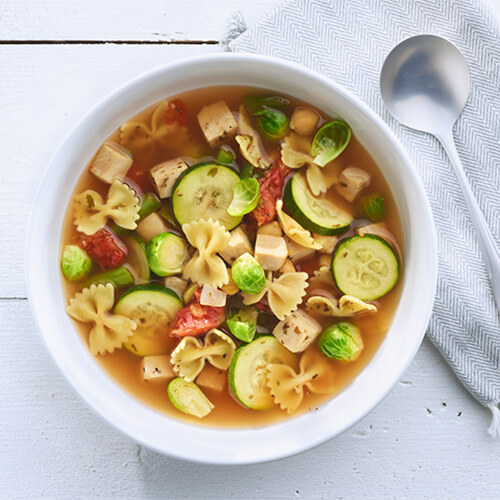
[232,256]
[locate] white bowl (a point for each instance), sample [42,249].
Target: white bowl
[216,445]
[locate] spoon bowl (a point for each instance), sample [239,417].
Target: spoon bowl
[425,83]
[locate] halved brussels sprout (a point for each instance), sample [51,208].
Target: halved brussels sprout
[256,102]
[245,197]
[330,141]
[272,123]
[373,207]
[166,254]
[248,274]
[243,324]
[188,398]
[75,263]
[341,341]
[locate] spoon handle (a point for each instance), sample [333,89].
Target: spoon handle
[486,241]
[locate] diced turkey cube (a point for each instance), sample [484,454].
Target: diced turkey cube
[212,378]
[217,123]
[151,225]
[270,251]
[238,245]
[177,284]
[157,367]
[352,181]
[328,243]
[111,162]
[212,297]
[297,331]
[297,252]
[273,229]
[165,174]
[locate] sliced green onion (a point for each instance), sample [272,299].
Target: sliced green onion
[120,277]
[149,204]
[225,156]
[246,171]
[245,197]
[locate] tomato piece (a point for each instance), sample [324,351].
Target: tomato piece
[105,248]
[196,319]
[140,177]
[271,189]
[176,112]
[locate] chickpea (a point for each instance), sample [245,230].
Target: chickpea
[304,121]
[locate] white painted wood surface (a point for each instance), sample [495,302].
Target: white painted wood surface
[427,439]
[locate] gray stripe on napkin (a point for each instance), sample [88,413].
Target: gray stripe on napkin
[348,41]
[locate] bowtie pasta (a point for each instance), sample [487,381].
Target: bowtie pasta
[232,255]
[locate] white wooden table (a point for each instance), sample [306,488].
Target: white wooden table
[427,439]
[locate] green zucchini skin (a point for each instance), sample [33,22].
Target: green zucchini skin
[246,382]
[199,194]
[153,307]
[366,267]
[338,223]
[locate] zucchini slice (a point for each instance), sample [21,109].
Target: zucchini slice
[153,307]
[366,267]
[205,191]
[247,373]
[316,214]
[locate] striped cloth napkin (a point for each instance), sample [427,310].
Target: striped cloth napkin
[348,41]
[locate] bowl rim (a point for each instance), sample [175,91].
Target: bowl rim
[291,441]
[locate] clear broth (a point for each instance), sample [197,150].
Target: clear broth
[124,367]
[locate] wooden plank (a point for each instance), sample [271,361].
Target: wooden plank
[45,90]
[155,20]
[427,438]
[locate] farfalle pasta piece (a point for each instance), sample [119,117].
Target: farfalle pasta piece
[321,278]
[91,213]
[190,355]
[294,230]
[206,267]
[284,294]
[344,307]
[293,158]
[93,305]
[250,144]
[320,179]
[287,386]
[137,135]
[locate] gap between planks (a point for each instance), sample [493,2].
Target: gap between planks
[106,42]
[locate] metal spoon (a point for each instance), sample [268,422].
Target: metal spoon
[425,84]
